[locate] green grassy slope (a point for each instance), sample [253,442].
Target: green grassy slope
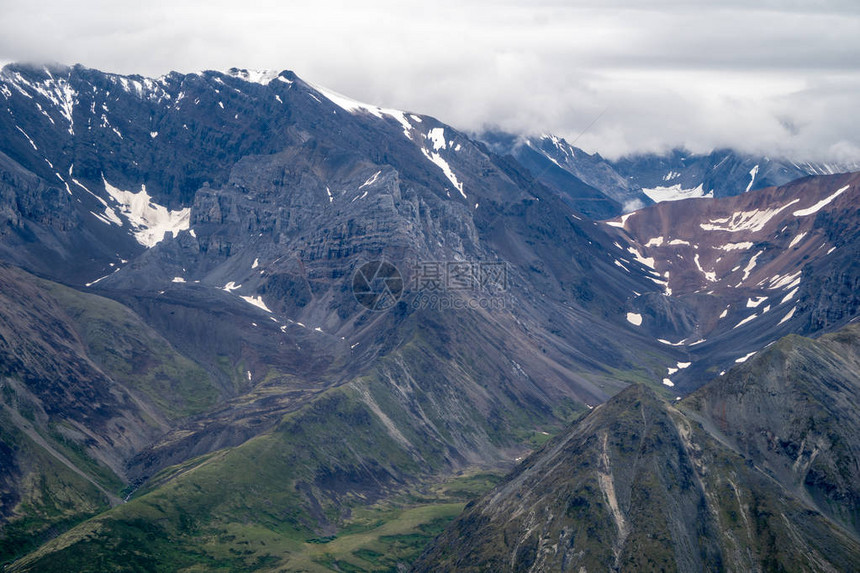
[84,383]
[307,491]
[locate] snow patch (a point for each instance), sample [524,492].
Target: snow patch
[256,301]
[101,279]
[620,223]
[437,136]
[788,281]
[743,359]
[710,276]
[353,106]
[371,180]
[754,220]
[789,296]
[676,193]
[150,221]
[111,215]
[646,261]
[28,138]
[788,316]
[750,266]
[796,240]
[755,302]
[634,318]
[446,169]
[735,246]
[262,77]
[821,204]
[101,218]
[746,320]
[60,177]
[62,95]
[667,290]
[753,173]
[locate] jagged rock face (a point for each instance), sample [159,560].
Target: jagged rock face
[755,472]
[317,175]
[25,196]
[287,190]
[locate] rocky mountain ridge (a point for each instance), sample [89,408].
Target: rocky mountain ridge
[642,485]
[603,188]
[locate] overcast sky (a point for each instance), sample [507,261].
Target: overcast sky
[780,77]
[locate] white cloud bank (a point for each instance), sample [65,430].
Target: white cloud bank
[778,77]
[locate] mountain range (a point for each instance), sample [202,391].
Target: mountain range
[603,188]
[193,377]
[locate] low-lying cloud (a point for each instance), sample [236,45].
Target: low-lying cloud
[771,77]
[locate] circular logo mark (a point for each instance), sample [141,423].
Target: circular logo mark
[377,285]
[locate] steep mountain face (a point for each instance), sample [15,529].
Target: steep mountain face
[228,217]
[602,188]
[744,270]
[754,472]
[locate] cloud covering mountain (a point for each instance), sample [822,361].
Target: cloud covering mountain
[757,76]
